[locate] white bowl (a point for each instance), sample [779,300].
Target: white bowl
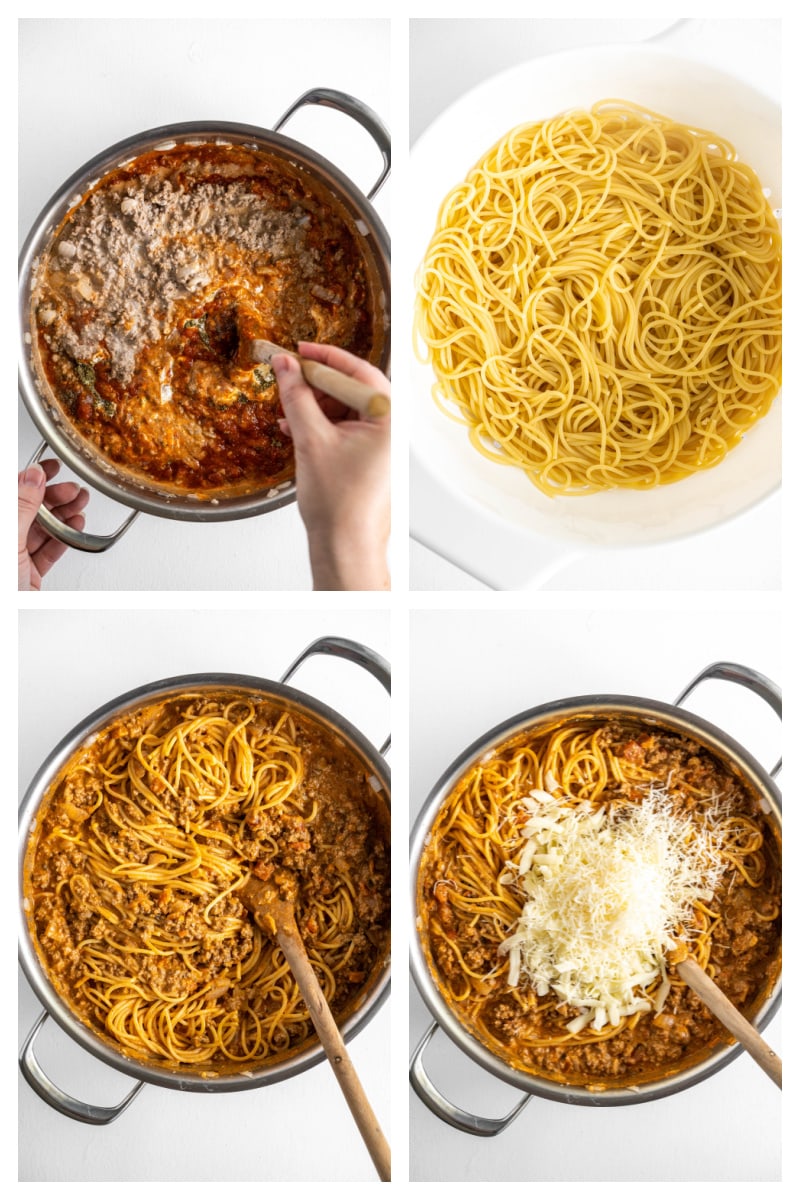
[690,92]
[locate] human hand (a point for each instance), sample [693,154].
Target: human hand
[37,550]
[342,472]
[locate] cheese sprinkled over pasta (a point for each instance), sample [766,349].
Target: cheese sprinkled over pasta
[607,892]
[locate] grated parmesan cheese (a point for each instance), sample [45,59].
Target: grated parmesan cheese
[606,890]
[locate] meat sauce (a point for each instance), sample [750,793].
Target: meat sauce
[151,287]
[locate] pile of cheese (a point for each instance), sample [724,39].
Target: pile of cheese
[605,891]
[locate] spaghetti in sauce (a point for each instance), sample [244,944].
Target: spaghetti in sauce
[151,285]
[142,842]
[547,869]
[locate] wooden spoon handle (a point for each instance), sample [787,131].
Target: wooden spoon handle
[352,392]
[361,397]
[692,973]
[333,1044]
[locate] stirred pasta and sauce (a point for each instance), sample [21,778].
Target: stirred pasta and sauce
[601,300]
[568,874]
[142,842]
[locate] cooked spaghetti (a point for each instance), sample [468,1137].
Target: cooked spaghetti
[601,300]
[570,871]
[133,868]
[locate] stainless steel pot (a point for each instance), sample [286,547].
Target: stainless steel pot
[664,716]
[56,1007]
[372,239]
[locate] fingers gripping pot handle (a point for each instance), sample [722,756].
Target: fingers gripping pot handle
[91,543]
[61,1101]
[351,107]
[745,677]
[443,1108]
[354,652]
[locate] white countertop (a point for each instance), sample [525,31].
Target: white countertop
[480,670]
[301,1129]
[138,74]
[458,546]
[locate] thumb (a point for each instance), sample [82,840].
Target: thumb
[31,484]
[304,416]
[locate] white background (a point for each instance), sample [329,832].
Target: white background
[480,670]
[469,669]
[70,663]
[447,60]
[85,85]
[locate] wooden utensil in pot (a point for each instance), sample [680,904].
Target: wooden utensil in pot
[703,986]
[272,905]
[361,397]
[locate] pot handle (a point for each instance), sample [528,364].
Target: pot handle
[92,543]
[441,1107]
[353,651]
[329,98]
[90,1114]
[746,677]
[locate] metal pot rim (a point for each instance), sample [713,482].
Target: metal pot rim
[667,716]
[29,960]
[99,472]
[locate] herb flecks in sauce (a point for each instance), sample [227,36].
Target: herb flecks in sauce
[263,378]
[88,377]
[199,323]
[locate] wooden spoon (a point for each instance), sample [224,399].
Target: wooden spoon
[703,985]
[361,397]
[272,905]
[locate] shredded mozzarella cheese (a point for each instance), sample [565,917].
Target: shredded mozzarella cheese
[606,890]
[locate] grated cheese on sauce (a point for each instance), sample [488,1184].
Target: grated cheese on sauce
[606,892]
